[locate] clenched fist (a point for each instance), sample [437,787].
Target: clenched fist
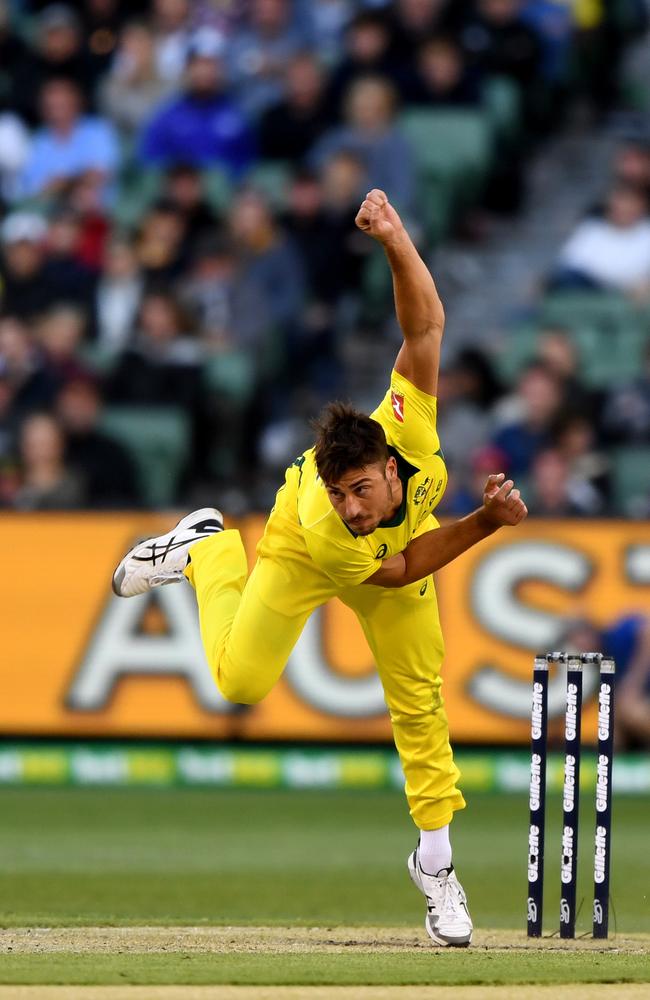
[378,218]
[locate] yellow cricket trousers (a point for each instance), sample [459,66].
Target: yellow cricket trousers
[249,627]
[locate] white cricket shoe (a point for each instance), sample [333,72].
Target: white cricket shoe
[447,921]
[156,561]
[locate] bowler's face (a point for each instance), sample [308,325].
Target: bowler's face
[363,498]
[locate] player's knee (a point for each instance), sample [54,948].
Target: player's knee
[414,715]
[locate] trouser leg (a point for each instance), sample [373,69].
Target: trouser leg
[403,631]
[248,626]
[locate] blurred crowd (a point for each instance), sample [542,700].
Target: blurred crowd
[178,186]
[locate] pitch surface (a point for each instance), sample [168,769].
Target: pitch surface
[206,888]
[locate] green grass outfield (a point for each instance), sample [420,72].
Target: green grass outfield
[74,858]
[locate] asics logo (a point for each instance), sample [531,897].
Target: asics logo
[158,553]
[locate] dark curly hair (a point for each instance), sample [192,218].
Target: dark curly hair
[347,439]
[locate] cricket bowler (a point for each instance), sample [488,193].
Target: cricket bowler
[354,520]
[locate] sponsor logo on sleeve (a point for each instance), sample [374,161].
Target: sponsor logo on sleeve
[397,402]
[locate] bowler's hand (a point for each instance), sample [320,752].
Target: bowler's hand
[502,504]
[378,218]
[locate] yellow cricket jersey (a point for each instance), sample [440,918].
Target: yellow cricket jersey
[303,507]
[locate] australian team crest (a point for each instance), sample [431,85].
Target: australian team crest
[421,491]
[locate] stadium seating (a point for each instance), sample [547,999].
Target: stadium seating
[138,188]
[452,145]
[631,480]
[609,331]
[272,179]
[230,374]
[158,439]
[502,103]
[218,189]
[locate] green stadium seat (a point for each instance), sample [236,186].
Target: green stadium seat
[631,479]
[608,329]
[231,377]
[606,357]
[435,208]
[272,179]
[231,374]
[218,189]
[518,350]
[609,358]
[502,102]
[377,285]
[137,191]
[158,439]
[456,145]
[101,360]
[607,310]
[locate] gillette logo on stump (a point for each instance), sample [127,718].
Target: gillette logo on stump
[569,782]
[571,711]
[535,781]
[537,711]
[600,855]
[533,853]
[604,711]
[602,782]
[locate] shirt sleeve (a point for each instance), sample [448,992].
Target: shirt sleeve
[345,566]
[408,417]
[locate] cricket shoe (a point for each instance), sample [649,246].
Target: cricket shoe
[447,921]
[156,561]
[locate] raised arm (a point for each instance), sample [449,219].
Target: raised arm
[418,306]
[502,505]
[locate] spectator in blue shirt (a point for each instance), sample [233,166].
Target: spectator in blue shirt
[69,145]
[202,127]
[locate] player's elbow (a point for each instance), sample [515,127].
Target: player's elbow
[399,579]
[436,324]
[429,331]
[391,584]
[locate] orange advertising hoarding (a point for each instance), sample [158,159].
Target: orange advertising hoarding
[76,661]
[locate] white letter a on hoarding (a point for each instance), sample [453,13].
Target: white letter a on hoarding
[118,649]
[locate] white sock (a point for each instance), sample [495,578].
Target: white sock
[435,851]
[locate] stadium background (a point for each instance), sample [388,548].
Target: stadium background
[182,287]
